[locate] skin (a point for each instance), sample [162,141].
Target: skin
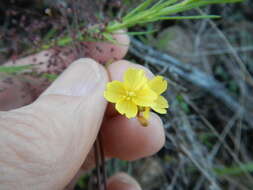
[46,143]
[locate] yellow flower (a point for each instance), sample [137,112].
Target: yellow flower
[137,95]
[158,85]
[132,93]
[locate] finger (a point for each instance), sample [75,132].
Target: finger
[56,132]
[54,61]
[122,181]
[28,85]
[109,51]
[127,139]
[57,59]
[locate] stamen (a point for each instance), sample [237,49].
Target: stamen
[129,95]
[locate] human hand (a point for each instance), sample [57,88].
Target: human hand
[44,144]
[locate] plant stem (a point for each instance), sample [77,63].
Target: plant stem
[97,160]
[100,164]
[103,164]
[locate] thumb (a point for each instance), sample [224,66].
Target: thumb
[56,132]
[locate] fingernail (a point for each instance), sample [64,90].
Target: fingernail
[79,79]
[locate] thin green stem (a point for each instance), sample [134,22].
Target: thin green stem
[146,12]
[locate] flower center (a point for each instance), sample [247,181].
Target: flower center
[129,95]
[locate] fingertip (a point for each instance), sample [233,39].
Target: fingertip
[118,68]
[109,51]
[122,181]
[123,43]
[127,139]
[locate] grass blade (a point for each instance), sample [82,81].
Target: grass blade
[185,17]
[187,5]
[140,8]
[141,33]
[14,69]
[235,170]
[160,5]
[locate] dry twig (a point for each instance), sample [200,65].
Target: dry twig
[189,73]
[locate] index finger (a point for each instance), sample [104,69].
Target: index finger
[53,61]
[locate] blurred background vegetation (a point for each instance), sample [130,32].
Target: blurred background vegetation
[209,66]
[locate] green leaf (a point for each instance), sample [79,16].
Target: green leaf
[140,8]
[14,69]
[190,17]
[187,5]
[141,33]
[50,34]
[83,181]
[108,37]
[50,77]
[183,104]
[185,17]
[160,10]
[159,5]
[64,41]
[208,2]
[235,170]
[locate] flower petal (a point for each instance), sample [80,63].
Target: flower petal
[134,79]
[160,110]
[114,91]
[127,107]
[158,84]
[145,97]
[160,105]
